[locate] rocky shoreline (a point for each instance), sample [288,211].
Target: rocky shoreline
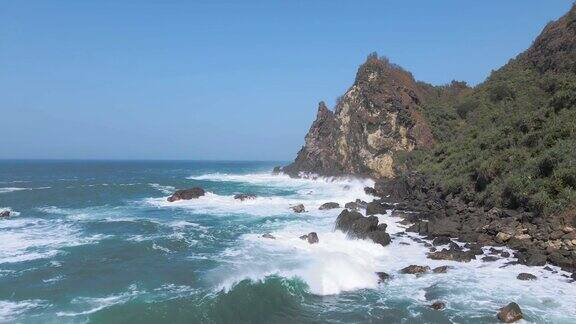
[535,240]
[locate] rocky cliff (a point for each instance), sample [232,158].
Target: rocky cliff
[378,116]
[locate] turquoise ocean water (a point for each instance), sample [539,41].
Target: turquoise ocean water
[97,242]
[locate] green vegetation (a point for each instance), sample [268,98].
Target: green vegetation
[511,141]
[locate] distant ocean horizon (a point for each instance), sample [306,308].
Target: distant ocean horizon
[97,241]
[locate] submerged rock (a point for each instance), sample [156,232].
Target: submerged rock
[441,240]
[277,170]
[329,205]
[245,196]
[382,277]
[269,236]
[298,208]
[415,269]
[187,194]
[510,313]
[489,258]
[5,213]
[526,276]
[441,269]
[438,305]
[311,237]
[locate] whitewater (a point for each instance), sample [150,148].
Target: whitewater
[102,244]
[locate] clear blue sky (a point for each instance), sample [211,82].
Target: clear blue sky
[224,79]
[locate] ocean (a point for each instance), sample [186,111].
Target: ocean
[97,242]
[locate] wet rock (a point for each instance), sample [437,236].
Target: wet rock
[404,243]
[329,205]
[311,237]
[346,219]
[526,276]
[441,269]
[245,196]
[382,277]
[452,255]
[441,240]
[370,191]
[438,305]
[510,313]
[298,208]
[355,205]
[380,237]
[505,254]
[377,207]
[415,269]
[357,226]
[277,170]
[187,194]
[5,213]
[269,236]
[489,258]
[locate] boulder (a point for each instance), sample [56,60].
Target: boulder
[298,208]
[370,191]
[441,240]
[382,276]
[452,255]
[355,205]
[311,237]
[489,258]
[187,194]
[415,269]
[526,276]
[5,213]
[510,313]
[245,196]
[438,305]
[377,207]
[440,269]
[357,226]
[329,205]
[269,236]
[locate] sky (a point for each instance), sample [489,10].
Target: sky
[224,80]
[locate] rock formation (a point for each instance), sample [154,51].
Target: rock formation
[187,194]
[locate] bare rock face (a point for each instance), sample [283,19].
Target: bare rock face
[187,194]
[378,116]
[510,313]
[298,208]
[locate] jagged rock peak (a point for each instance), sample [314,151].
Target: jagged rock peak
[375,118]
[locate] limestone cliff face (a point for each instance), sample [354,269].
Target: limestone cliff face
[375,118]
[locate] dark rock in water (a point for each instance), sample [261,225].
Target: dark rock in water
[404,243]
[438,305]
[440,269]
[187,194]
[355,205]
[370,191]
[311,237]
[380,237]
[382,276]
[441,240]
[298,208]
[415,269]
[452,255]
[377,207]
[329,205]
[276,170]
[573,276]
[5,213]
[357,226]
[526,276]
[510,313]
[505,254]
[489,258]
[268,236]
[346,219]
[243,197]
